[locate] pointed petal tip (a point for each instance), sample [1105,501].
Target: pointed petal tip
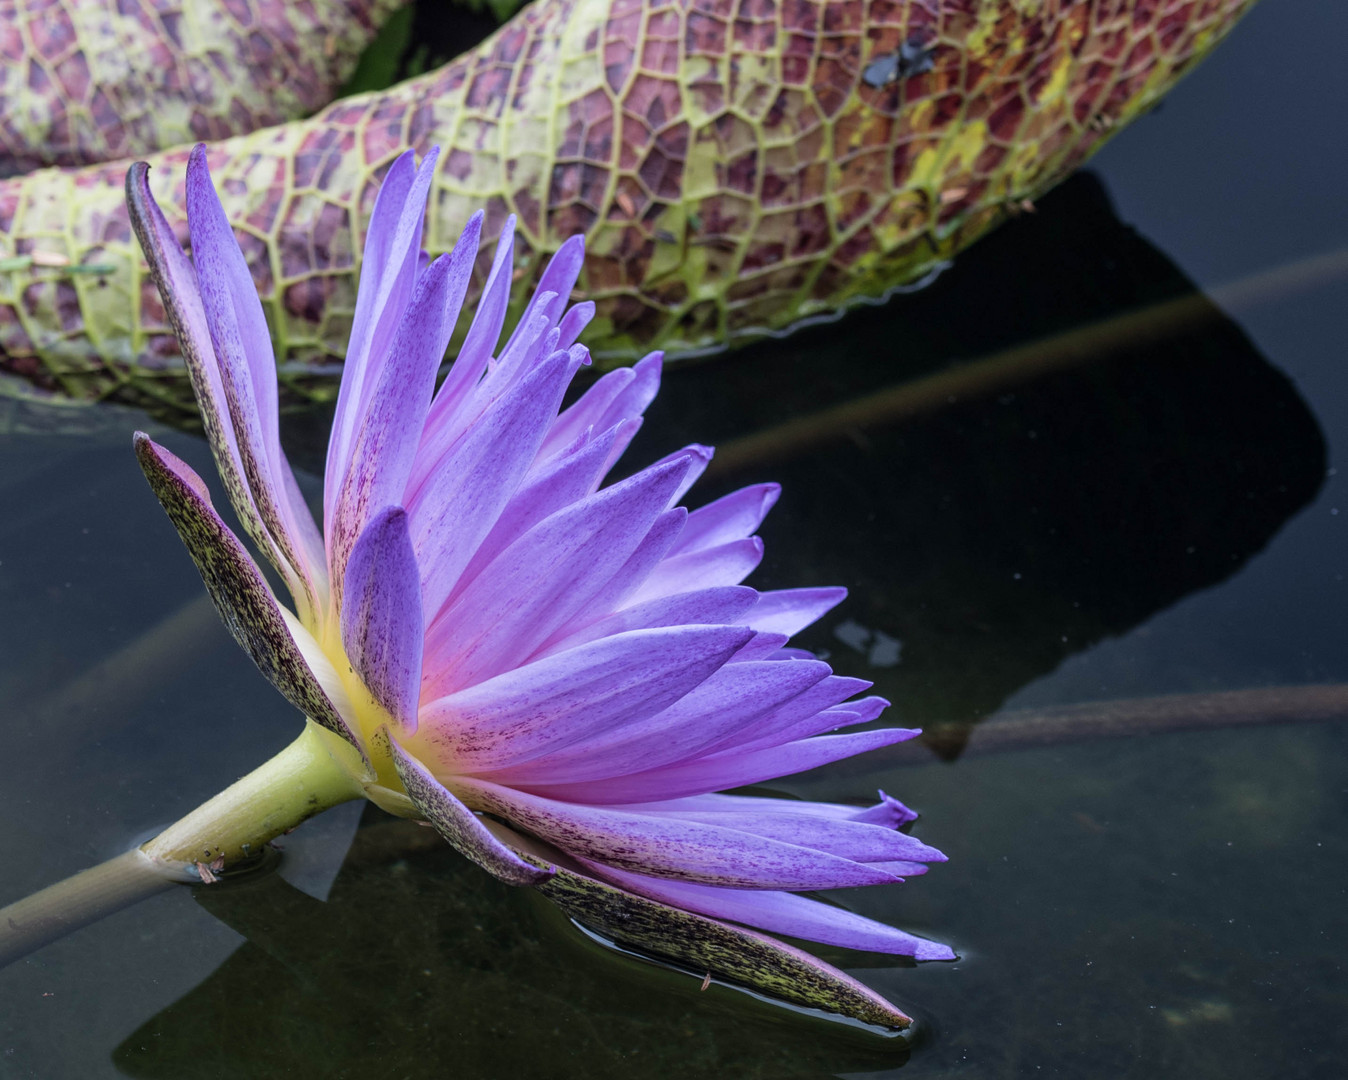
[155,460]
[137,182]
[933,950]
[198,168]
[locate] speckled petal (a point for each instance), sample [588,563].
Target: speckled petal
[236,585]
[708,945]
[243,354]
[176,278]
[667,847]
[460,826]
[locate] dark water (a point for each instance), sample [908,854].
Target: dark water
[1158,514]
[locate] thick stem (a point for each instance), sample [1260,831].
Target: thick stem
[304,779]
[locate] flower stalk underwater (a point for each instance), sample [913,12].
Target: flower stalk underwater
[560,676]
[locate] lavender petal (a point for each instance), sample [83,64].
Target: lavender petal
[662,846]
[779,913]
[707,713]
[553,571]
[725,564]
[732,517]
[459,504]
[571,697]
[381,615]
[789,611]
[725,770]
[246,365]
[387,435]
[704,606]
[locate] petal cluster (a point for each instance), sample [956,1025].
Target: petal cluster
[515,648]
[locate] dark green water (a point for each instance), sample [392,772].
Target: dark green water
[1163,518]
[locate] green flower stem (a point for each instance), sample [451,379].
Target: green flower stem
[304,779]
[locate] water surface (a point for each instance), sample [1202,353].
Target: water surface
[1161,517]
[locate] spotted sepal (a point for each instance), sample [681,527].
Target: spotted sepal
[237,587]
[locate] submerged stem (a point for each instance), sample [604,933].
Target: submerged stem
[302,780]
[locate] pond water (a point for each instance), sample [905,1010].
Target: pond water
[1157,514]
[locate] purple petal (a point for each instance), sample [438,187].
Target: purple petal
[381,615]
[553,291]
[243,353]
[789,611]
[699,458]
[568,479]
[767,730]
[588,412]
[478,345]
[773,732]
[636,569]
[387,435]
[568,698]
[706,606]
[236,585]
[374,264]
[460,826]
[779,913]
[848,838]
[766,647]
[733,517]
[461,501]
[725,564]
[640,392]
[542,580]
[576,319]
[531,341]
[395,264]
[176,278]
[725,770]
[718,706]
[888,811]
[666,847]
[229,295]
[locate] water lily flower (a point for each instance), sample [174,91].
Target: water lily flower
[560,675]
